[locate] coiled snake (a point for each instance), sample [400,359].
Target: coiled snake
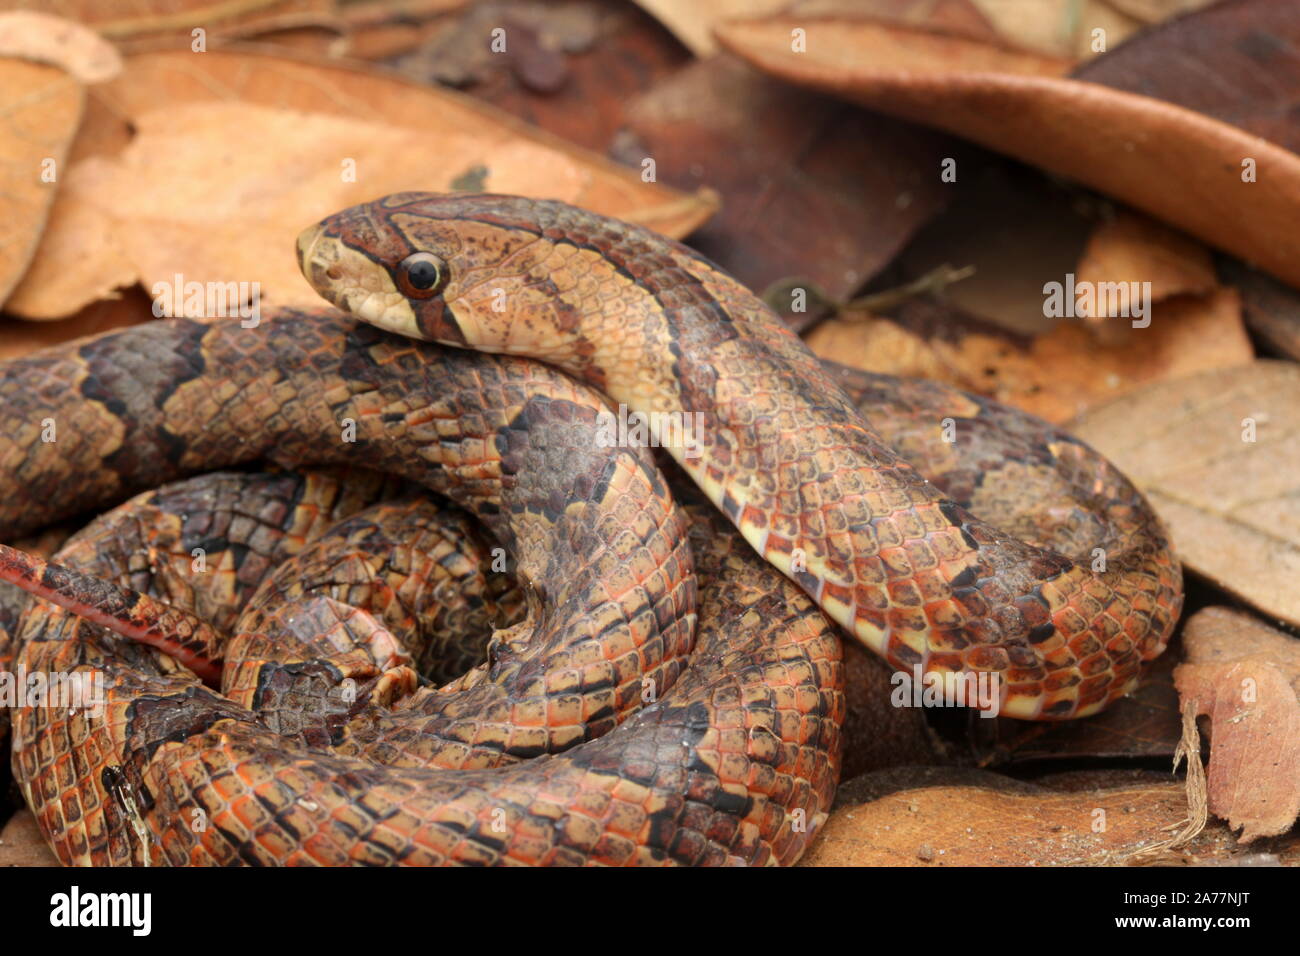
[654,690]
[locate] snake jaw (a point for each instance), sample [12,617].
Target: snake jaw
[348,280]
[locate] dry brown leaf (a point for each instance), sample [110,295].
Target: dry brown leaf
[957,17]
[1231,504]
[1132,248]
[19,338]
[303,84]
[1180,166]
[973,826]
[116,20]
[1246,677]
[216,184]
[21,843]
[40,109]
[1056,375]
[306,35]
[59,42]
[1237,61]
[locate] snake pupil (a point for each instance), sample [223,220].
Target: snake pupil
[422,271]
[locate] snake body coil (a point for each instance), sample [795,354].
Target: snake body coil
[786,455]
[654,692]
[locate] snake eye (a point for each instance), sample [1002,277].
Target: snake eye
[421,275]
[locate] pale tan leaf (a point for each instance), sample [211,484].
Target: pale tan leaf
[40,109]
[244,151]
[1231,504]
[80,232]
[1055,375]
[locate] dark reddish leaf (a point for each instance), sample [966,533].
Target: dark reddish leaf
[1144,724]
[1237,61]
[1271,308]
[1209,178]
[877,734]
[815,189]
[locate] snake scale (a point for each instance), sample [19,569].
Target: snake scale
[345,677]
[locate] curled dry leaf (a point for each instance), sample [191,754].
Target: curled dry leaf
[1056,375]
[1236,60]
[59,42]
[1131,249]
[1218,456]
[78,232]
[40,109]
[849,45]
[1180,166]
[216,184]
[1245,677]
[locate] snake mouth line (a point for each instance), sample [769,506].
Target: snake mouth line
[351,281]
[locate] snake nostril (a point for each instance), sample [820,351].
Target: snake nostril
[334,272]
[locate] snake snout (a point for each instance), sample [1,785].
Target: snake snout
[307,241]
[313,269]
[351,281]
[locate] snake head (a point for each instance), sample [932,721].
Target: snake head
[494,273]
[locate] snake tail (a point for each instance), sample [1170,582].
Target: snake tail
[182,636]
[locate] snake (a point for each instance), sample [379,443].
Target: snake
[657,675]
